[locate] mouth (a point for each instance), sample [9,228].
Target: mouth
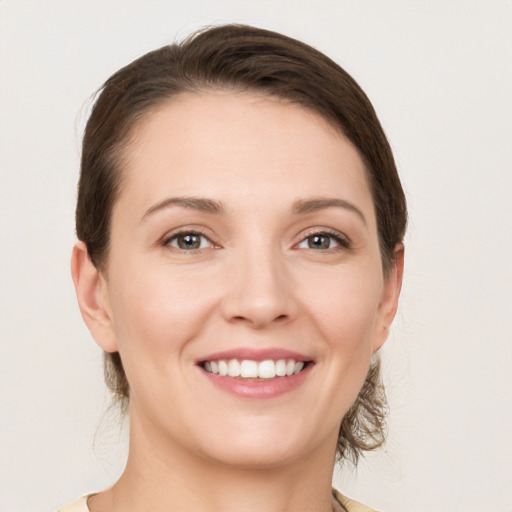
[256,373]
[253,370]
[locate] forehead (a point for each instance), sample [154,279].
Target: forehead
[237,146]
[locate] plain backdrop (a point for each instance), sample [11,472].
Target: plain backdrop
[440,76]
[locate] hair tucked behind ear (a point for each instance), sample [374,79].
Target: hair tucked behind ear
[115,378]
[240,58]
[364,425]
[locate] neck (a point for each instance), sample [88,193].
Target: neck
[160,476]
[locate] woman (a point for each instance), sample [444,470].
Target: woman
[240,224]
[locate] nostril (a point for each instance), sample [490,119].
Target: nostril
[260,321]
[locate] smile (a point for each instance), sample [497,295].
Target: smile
[256,373]
[250,369]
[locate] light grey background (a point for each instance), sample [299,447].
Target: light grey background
[440,76]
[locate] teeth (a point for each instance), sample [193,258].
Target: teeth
[223,368]
[233,368]
[267,369]
[248,369]
[281,368]
[298,367]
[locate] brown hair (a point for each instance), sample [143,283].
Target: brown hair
[241,58]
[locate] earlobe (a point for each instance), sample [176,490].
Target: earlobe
[391,293]
[92,296]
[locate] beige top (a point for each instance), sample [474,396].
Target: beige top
[349,505]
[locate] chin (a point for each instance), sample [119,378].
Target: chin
[256,455]
[261,448]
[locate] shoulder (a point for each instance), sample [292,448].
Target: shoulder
[79,505]
[351,505]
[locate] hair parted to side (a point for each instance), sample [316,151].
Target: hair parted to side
[242,59]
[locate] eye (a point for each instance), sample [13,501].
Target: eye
[188,241]
[323,241]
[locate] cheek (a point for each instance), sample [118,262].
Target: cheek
[346,315]
[155,318]
[159,311]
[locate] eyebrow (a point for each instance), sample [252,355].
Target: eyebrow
[192,203]
[322,203]
[299,207]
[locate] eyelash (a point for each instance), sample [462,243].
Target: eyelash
[341,240]
[168,240]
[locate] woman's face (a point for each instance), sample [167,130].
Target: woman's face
[244,239]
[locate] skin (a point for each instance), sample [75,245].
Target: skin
[255,281]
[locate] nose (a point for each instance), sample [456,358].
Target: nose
[258,290]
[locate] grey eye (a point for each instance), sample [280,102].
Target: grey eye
[319,241]
[189,241]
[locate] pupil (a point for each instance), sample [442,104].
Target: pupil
[319,242]
[189,242]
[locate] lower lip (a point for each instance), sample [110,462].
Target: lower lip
[258,389]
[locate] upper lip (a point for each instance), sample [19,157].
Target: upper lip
[255,354]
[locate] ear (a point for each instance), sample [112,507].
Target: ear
[92,294]
[389,302]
